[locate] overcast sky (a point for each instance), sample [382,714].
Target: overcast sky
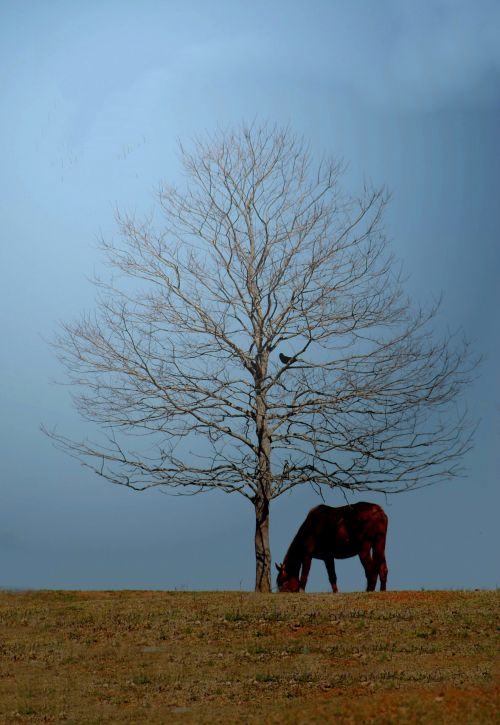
[94,97]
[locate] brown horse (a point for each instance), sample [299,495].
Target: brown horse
[337,533]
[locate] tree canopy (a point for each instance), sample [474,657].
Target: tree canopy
[255,336]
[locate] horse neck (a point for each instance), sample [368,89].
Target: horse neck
[293,557]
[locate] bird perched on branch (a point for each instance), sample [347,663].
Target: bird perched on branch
[287,360]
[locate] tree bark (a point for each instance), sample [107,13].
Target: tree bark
[262,549]
[263,477]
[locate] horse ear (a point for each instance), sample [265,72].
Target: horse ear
[278,566]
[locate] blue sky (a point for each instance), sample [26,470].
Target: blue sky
[94,97]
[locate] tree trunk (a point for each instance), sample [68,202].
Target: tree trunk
[262,549]
[263,477]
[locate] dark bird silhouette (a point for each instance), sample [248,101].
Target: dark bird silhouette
[287,360]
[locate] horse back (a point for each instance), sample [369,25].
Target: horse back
[343,530]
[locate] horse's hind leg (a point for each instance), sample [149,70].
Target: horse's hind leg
[380,562]
[369,566]
[383,576]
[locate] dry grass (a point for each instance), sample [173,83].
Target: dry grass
[157,657]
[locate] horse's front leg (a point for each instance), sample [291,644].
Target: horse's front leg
[306,565]
[332,574]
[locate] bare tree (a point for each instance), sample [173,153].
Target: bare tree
[258,335]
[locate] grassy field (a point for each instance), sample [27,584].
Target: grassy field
[231,657]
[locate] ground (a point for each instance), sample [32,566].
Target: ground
[231,657]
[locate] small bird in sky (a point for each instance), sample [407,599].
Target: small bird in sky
[287,360]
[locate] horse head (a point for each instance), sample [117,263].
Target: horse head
[285,581]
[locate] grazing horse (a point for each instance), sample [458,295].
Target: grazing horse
[337,533]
